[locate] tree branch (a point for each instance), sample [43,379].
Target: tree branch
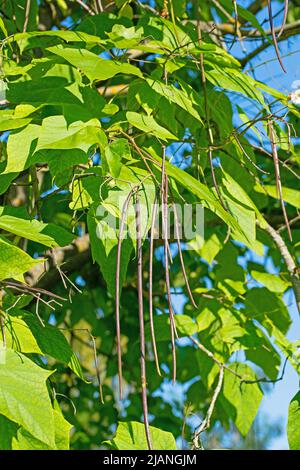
[293,269]
[70,259]
[196,442]
[291,29]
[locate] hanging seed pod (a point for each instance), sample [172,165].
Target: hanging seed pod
[286,10]
[153,339]
[141,319]
[164,191]
[118,268]
[277,176]
[274,35]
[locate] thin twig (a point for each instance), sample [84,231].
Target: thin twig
[213,357]
[248,157]
[25,288]
[100,6]
[37,310]
[196,442]
[85,7]
[291,222]
[265,380]
[139,151]
[176,223]
[96,362]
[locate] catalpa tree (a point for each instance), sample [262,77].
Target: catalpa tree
[148,182]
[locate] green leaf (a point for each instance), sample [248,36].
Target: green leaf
[5,179]
[125,38]
[14,262]
[23,39]
[149,125]
[86,190]
[239,400]
[174,95]
[293,426]
[62,435]
[243,209]
[20,148]
[272,281]
[104,219]
[290,350]
[61,164]
[231,327]
[234,80]
[131,436]
[207,249]
[104,242]
[184,324]
[202,192]
[24,396]
[8,121]
[93,66]
[17,15]
[263,305]
[16,220]
[46,90]
[263,353]
[56,134]
[114,153]
[247,15]
[62,430]
[8,432]
[27,335]
[166,34]
[291,196]
[3,28]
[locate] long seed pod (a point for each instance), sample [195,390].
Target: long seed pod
[176,224]
[153,339]
[27,13]
[277,176]
[118,268]
[210,136]
[163,173]
[141,319]
[274,35]
[286,9]
[236,26]
[167,273]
